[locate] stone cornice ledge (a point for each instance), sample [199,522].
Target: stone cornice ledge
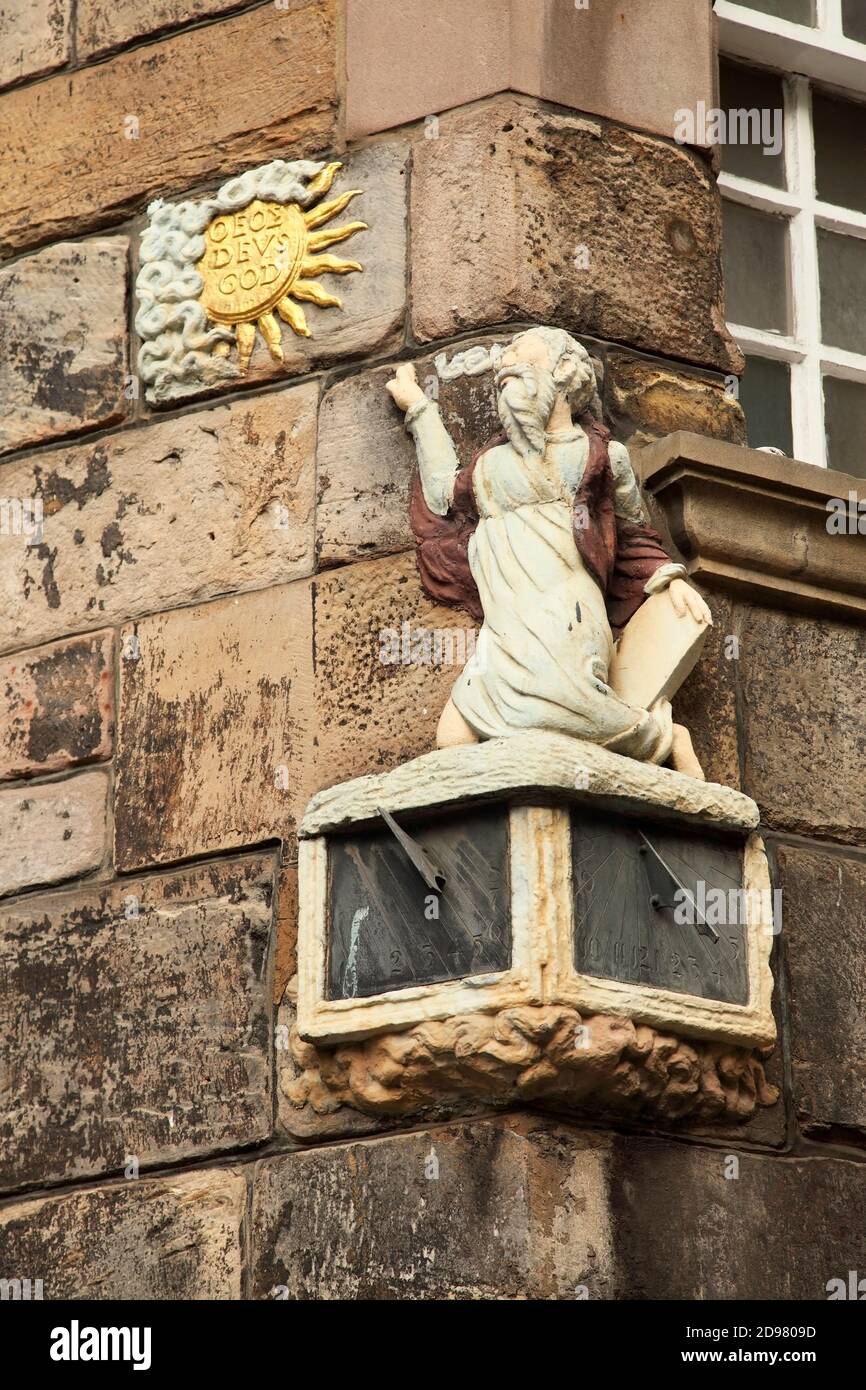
[533,766]
[755,524]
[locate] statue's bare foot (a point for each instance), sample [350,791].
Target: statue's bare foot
[683,755]
[453,731]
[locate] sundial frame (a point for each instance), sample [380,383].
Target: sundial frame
[531,780]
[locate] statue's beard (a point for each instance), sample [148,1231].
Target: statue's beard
[526,399]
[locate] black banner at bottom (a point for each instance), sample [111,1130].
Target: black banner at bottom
[66,1339]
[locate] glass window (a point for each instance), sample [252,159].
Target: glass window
[854,19]
[840,150]
[845,423]
[765,395]
[751,89]
[794,248]
[798,11]
[842,262]
[756,268]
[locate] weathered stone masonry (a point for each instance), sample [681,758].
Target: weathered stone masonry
[192,648]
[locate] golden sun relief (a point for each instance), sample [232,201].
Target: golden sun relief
[267,257]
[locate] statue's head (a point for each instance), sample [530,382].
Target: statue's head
[540,365]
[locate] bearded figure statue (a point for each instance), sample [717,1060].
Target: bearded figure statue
[543,537]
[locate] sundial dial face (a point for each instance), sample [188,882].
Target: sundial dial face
[265,257]
[634,883]
[627,876]
[252,259]
[387,930]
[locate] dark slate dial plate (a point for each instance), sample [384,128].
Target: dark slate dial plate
[382,932]
[620,935]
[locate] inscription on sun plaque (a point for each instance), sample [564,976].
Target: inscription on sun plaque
[252,257]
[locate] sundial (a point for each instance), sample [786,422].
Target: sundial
[482,879]
[391,926]
[641,892]
[537,906]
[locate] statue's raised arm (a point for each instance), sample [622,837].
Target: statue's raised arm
[437,461]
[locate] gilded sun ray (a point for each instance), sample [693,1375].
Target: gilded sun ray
[266,258]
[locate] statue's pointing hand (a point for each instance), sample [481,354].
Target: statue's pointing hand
[403,387]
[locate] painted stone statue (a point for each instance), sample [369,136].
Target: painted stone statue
[543,536]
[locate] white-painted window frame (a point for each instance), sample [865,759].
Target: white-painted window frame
[825,55]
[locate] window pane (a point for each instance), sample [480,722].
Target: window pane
[840,142]
[765,395]
[845,422]
[751,89]
[755,253]
[798,11]
[854,19]
[842,262]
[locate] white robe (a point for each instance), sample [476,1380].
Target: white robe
[545,646]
